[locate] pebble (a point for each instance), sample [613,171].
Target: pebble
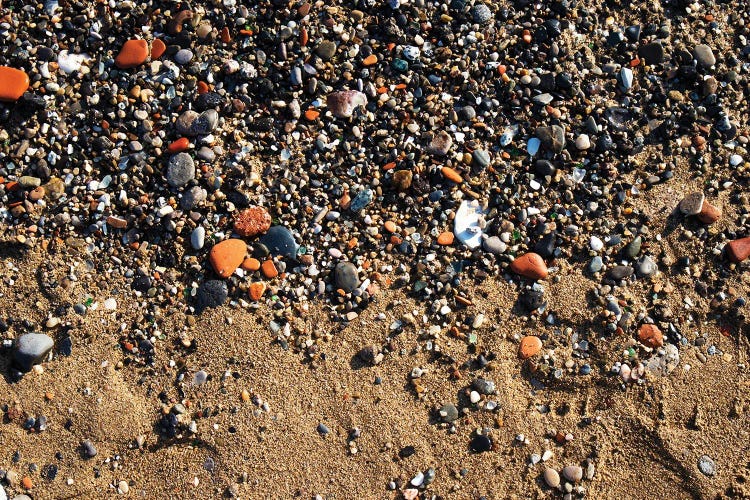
[89,450]
[252,221]
[280,241]
[226,256]
[646,267]
[448,413]
[739,249]
[198,237]
[481,443]
[650,336]
[183,56]
[530,346]
[180,170]
[530,265]
[132,54]
[13,83]
[30,349]
[551,477]
[573,473]
[706,465]
[343,103]
[211,293]
[704,55]
[346,276]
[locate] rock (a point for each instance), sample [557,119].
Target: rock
[325,50]
[183,56]
[532,299]
[650,336]
[551,477]
[280,241]
[211,293]
[738,250]
[704,55]
[13,83]
[343,103]
[440,144]
[481,13]
[346,276]
[709,213]
[595,243]
[30,349]
[620,272]
[583,142]
[573,473]
[626,78]
[370,355]
[226,256]
[595,265]
[184,122]
[193,197]
[530,346]
[481,443]
[180,170]
[552,138]
[530,265]
[256,290]
[466,226]
[646,267]
[88,448]
[633,248]
[452,175]
[484,386]
[252,221]
[481,158]
[494,245]
[692,204]
[545,247]
[706,465]
[205,123]
[544,168]
[448,413]
[653,53]
[402,179]
[158,48]
[198,237]
[133,53]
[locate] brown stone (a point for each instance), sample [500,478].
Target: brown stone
[133,53]
[530,346]
[402,179]
[226,256]
[13,83]
[530,265]
[650,336]
[257,290]
[739,250]
[252,221]
[709,213]
[157,49]
[445,238]
[269,269]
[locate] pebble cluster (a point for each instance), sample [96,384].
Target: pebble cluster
[285,152]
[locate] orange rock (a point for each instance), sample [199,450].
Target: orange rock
[651,336]
[132,54]
[157,48]
[390,226]
[269,269]
[739,250]
[13,83]
[251,264]
[252,221]
[226,256]
[530,265]
[257,290]
[179,145]
[26,482]
[202,87]
[445,238]
[530,346]
[451,175]
[37,193]
[709,213]
[311,114]
[526,35]
[370,60]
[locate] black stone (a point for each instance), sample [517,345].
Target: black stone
[211,293]
[280,241]
[480,444]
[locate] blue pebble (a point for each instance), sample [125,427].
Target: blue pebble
[585,369]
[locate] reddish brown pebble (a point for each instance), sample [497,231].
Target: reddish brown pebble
[224,35]
[251,264]
[739,250]
[256,290]
[13,83]
[26,483]
[226,256]
[117,222]
[390,226]
[530,265]
[269,269]
[451,175]
[36,194]
[132,54]
[651,336]
[370,60]
[530,346]
[252,221]
[445,238]
[709,213]
[157,49]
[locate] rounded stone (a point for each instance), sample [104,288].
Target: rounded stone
[30,349]
[530,265]
[226,256]
[481,443]
[180,170]
[13,83]
[650,335]
[573,473]
[530,346]
[252,221]
[133,53]
[448,413]
[551,477]
[280,241]
[692,203]
[346,276]
[211,293]
[706,465]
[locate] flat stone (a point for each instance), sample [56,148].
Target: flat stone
[530,346]
[343,103]
[494,245]
[252,221]
[133,53]
[448,413]
[346,276]
[692,203]
[481,158]
[184,122]
[226,256]
[551,477]
[650,335]
[595,265]
[466,223]
[481,443]
[183,56]
[704,55]
[530,265]
[706,465]
[205,123]
[180,170]
[440,144]
[211,293]
[193,197]
[738,250]
[573,473]
[402,179]
[646,267]
[30,349]
[620,272]
[653,53]
[280,241]
[325,50]
[552,138]
[13,83]
[484,386]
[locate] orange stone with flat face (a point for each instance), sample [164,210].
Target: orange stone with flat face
[13,83]
[133,53]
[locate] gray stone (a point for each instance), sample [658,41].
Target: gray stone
[481,13]
[205,123]
[180,170]
[543,99]
[620,272]
[206,153]
[325,50]
[484,386]
[211,293]
[185,122]
[646,267]
[346,276]
[280,241]
[704,55]
[494,245]
[692,203]
[552,138]
[89,450]
[193,197]
[31,348]
[652,52]
[183,56]
[441,143]
[198,237]
[633,248]
[595,265]
[706,465]
[448,413]
[481,158]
